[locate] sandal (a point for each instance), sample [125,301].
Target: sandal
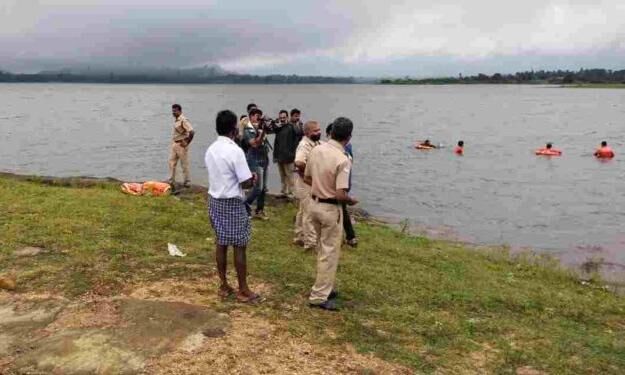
[252,299]
[225,292]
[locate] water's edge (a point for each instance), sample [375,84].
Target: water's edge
[611,276]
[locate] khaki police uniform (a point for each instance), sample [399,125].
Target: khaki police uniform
[179,149]
[329,168]
[245,121]
[304,229]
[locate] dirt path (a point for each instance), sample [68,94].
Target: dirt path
[167,327]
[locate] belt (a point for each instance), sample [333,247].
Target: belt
[328,201]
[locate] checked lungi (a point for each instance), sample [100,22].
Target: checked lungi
[230,221]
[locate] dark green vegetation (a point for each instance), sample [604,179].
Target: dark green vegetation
[597,86]
[205,75]
[583,76]
[430,305]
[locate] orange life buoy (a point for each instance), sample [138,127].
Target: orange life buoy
[604,153]
[424,147]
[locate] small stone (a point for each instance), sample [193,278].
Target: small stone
[528,370]
[7,283]
[28,251]
[214,332]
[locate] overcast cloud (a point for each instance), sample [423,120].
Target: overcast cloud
[344,37]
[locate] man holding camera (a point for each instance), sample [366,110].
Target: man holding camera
[245,119]
[182,136]
[256,148]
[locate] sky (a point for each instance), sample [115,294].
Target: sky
[318,37]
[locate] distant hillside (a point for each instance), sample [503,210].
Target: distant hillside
[203,75]
[595,76]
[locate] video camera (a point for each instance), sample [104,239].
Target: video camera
[267,123]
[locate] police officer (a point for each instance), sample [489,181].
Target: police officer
[304,231]
[182,136]
[327,172]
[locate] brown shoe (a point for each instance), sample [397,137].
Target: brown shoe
[353,242]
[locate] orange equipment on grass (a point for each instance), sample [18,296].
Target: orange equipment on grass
[154,188]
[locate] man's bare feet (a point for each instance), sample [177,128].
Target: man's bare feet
[247,296]
[225,291]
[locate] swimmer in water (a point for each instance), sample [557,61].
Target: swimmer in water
[459,150]
[605,151]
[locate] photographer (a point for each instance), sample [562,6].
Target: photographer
[256,149]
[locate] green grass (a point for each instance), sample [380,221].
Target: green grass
[596,86]
[430,305]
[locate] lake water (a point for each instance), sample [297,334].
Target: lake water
[497,193]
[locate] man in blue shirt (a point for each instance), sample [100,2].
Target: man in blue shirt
[257,154]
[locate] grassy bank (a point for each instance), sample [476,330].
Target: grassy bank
[430,305]
[596,86]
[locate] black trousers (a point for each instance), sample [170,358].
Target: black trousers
[347,224]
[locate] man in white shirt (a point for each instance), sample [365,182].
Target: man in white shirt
[228,174]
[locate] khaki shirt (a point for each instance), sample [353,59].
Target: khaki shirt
[242,124]
[301,156]
[329,168]
[303,149]
[182,128]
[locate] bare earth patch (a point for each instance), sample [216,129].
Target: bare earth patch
[164,327]
[252,345]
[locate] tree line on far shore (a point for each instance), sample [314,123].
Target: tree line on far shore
[213,76]
[583,76]
[175,77]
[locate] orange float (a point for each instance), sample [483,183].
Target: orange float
[154,188]
[604,153]
[132,188]
[548,152]
[424,147]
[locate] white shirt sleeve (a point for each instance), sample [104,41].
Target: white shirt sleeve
[241,168]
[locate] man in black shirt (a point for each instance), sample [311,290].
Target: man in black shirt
[288,135]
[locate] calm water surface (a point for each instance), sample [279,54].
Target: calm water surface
[499,192]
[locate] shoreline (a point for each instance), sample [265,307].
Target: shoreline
[95,258]
[592,268]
